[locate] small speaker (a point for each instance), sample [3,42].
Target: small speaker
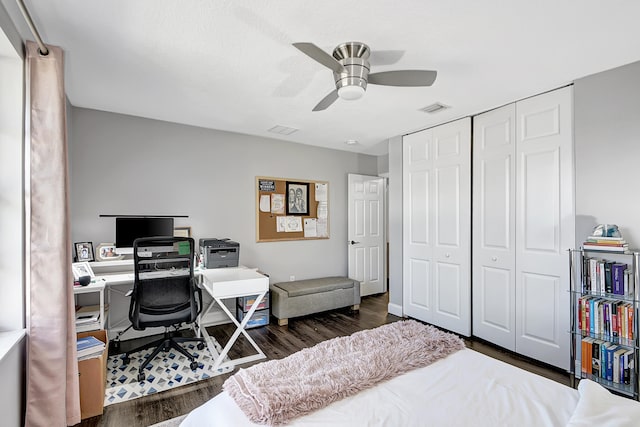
[84,280]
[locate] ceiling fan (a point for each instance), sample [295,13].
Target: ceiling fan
[350,67]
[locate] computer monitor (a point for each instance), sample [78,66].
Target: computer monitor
[129,229]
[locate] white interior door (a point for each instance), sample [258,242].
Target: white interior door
[544,225]
[436,226]
[366,233]
[494,292]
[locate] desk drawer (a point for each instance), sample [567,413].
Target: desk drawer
[259,318]
[245,302]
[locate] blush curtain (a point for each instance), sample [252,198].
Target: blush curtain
[52,387]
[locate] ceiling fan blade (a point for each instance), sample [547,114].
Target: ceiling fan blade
[315,53]
[411,78]
[326,101]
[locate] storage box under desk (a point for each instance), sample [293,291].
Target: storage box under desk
[259,317]
[246,302]
[92,377]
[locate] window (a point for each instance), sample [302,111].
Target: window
[12,222]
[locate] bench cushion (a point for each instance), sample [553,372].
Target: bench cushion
[314,286]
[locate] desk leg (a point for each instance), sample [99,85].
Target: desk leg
[201,331]
[240,329]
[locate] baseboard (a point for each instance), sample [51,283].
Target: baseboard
[395,309]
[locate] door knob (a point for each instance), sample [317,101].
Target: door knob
[354,242]
[494,258]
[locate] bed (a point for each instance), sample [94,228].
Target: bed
[465,388]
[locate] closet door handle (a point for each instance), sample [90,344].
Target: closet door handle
[494,258]
[447,255]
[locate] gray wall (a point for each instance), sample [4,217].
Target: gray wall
[395,225]
[134,166]
[607,149]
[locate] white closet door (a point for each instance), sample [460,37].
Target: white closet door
[417,225]
[544,225]
[436,226]
[452,221]
[494,296]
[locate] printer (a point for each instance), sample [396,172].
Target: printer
[219,253]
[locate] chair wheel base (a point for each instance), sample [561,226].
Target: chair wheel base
[193,365]
[126,360]
[200,346]
[141,377]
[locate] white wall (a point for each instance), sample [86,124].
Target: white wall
[607,150]
[135,166]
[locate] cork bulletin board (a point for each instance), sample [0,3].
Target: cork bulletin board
[291,209]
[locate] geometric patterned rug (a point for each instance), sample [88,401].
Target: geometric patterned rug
[168,370]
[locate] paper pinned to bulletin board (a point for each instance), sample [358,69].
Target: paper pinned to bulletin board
[291,209]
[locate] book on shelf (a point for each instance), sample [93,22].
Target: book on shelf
[628,366]
[602,277]
[605,239]
[87,317]
[88,347]
[594,246]
[595,358]
[609,319]
[87,314]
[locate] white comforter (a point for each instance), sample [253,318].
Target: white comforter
[464,389]
[598,407]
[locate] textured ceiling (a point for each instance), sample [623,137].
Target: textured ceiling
[230,65]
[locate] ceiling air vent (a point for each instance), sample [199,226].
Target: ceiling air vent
[434,108]
[282,130]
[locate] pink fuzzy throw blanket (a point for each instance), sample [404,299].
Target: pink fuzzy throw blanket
[277,391]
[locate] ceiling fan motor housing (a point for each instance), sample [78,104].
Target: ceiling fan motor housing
[353,56]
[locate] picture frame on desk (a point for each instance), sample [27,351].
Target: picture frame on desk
[84,251]
[182,231]
[82,269]
[107,252]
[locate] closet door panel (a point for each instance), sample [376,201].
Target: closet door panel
[538,319]
[493,226]
[452,224]
[540,183]
[417,246]
[545,225]
[419,278]
[448,291]
[436,226]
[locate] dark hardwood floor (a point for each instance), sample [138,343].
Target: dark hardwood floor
[278,342]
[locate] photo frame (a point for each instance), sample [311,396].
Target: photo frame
[297,198]
[107,252]
[182,231]
[81,269]
[84,251]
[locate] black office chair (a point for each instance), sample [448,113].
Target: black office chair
[164,294]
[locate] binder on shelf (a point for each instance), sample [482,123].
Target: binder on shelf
[89,346]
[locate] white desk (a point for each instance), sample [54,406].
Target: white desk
[94,286]
[225,283]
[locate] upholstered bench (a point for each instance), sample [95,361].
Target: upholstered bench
[303,297]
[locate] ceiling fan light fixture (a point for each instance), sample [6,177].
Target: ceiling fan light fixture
[351,93]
